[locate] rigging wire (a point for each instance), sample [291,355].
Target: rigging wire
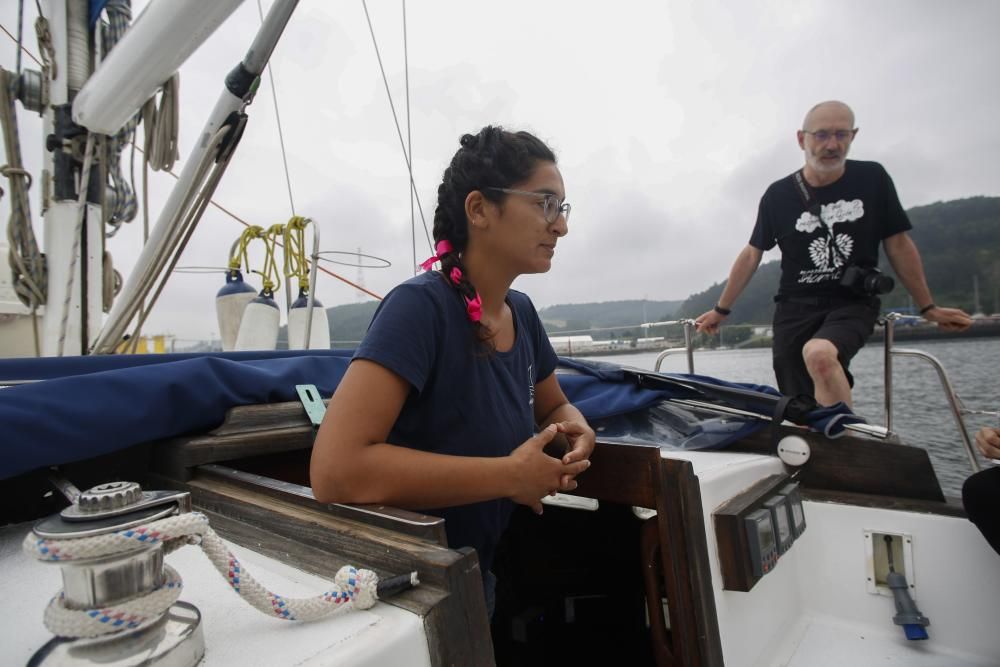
[243,222]
[20,33]
[395,119]
[409,141]
[81,213]
[20,46]
[277,116]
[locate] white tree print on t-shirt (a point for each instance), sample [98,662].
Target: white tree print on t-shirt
[830,251]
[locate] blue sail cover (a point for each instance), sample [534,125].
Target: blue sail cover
[82,407]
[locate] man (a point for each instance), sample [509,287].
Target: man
[828,219]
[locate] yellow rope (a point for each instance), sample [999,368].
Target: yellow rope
[296,264]
[270,273]
[240,257]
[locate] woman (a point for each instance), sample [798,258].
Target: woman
[437,411]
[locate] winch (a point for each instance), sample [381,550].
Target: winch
[99,586]
[119,605]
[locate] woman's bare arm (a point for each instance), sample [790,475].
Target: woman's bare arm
[351,461]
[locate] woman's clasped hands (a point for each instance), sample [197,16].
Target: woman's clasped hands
[535,474]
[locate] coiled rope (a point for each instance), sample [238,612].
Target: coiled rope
[296,264]
[160,125]
[350,584]
[120,205]
[241,258]
[270,273]
[28,270]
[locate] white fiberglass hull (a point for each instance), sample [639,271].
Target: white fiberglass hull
[815,609]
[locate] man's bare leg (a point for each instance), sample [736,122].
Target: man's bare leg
[827,374]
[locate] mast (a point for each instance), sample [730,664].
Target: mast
[74,294]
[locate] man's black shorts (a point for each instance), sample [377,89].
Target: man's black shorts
[844,322]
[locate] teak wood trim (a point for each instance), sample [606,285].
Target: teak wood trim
[856,465]
[410,523]
[950,507]
[449,598]
[252,418]
[684,549]
[638,475]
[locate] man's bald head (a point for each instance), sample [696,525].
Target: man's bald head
[825,109]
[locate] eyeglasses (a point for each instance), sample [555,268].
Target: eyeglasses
[823,136]
[552,206]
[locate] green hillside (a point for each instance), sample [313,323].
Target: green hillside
[958,240]
[349,323]
[586,316]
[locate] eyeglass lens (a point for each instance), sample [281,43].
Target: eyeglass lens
[840,135]
[553,207]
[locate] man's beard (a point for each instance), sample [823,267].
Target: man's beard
[822,166]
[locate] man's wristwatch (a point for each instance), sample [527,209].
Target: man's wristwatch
[927,308]
[725,311]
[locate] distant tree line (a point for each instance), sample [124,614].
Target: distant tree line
[959,241]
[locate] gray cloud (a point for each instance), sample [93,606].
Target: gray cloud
[670,120]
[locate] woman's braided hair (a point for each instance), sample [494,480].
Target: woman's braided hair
[492,158]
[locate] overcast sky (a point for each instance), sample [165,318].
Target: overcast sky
[669,120]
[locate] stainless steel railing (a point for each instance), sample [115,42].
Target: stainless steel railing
[688,346]
[958,409]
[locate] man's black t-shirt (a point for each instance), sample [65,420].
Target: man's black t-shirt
[857,212]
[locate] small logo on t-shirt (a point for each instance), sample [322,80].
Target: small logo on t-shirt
[531,386]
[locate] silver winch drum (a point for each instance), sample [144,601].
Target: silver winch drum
[173,639]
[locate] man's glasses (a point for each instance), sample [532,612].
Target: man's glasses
[823,136]
[552,206]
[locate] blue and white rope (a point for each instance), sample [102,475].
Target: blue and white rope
[351,585]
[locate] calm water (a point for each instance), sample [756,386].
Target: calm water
[920,410]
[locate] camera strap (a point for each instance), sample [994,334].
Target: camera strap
[806,194]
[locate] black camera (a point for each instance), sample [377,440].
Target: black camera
[866,280]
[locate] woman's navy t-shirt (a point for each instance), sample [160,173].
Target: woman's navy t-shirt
[464,400]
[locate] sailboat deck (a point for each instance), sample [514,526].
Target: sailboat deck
[234,632]
[821,641]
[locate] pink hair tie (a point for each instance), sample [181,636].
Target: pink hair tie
[456,275]
[474,308]
[442,248]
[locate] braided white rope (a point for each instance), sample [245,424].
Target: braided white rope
[350,584]
[161,126]
[129,615]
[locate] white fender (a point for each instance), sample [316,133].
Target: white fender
[319,338]
[259,328]
[230,302]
